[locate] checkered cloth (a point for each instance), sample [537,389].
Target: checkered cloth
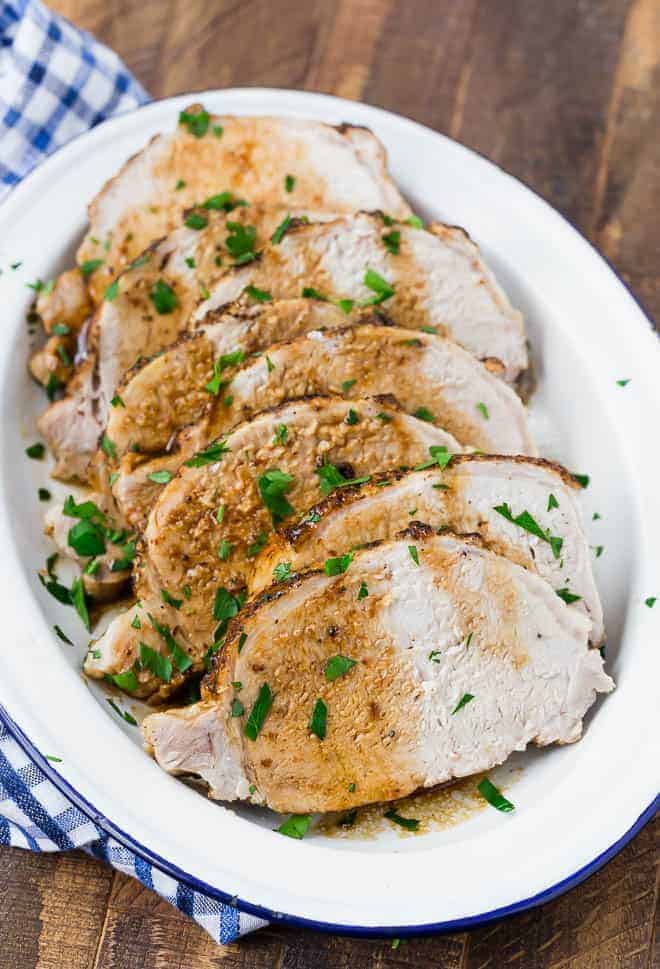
[55,82]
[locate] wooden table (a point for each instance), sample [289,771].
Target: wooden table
[565,95]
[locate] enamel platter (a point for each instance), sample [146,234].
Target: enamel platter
[575,805]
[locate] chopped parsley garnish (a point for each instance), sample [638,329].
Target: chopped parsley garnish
[136,624]
[90,266]
[599,550]
[220,514]
[650,602]
[179,185]
[61,329]
[242,639]
[190,262]
[364,591]
[224,550]
[163,297]
[86,509]
[392,241]
[567,596]
[64,356]
[484,411]
[259,712]
[79,602]
[289,183]
[52,386]
[86,538]
[380,286]
[209,455]
[424,414]
[464,700]
[494,797]
[415,222]
[141,260]
[223,202]
[41,287]
[440,456]
[112,291]
[44,494]
[596,516]
[217,130]
[622,383]
[281,434]
[260,295]
[181,659]
[281,230]
[117,401]
[169,600]
[160,477]
[282,571]
[435,655]
[337,566]
[108,447]
[237,708]
[345,305]
[156,663]
[225,607]
[331,477]
[36,451]
[310,293]
[338,666]
[55,760]
[296,826]
[582,479]
[410,824]
[525,520]
[270,366]
[62,636]
[240,242]
[129,551]
[352,417]
[273,485]
[256,546]
[56,589]
[197,124]
[195,220]
[552,502]
[346,385]
[122,713]
[429,329]
[414,554]
[319,720]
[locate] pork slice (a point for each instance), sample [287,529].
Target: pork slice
[464,497]
[430,376]
[146,309]
[334,170]
[212,518]
[438,278]
[456,658]
[170,391]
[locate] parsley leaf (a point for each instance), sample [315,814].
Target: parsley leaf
[169,600]
[209,455]
[223,202]
[338,666]
[259,712]
[331,477]
[289,183]
[90,266]
[86,539]
[163,297]
[112,291]
[582,479]
[552,502]
[282,571]
[36,451]
[410,824]
[260,295]
[181,659]
[392,241]
[494,797]
[195,220]
[281,434]
[414,554]
[281,230]
[440,456]
[424,414]
[380,286]
[567,596]
[296,826]
[526,521]
[319,720]
[79,602]
[484,410]
[309,292]
[196,123]
[122,713]
[273,485]
[364,591]
[160,477]
[337,566]
[156,663]
[240,242]
[464,700]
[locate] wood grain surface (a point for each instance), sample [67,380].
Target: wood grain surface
[565,94]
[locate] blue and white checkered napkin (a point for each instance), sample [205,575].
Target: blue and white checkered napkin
[55,82]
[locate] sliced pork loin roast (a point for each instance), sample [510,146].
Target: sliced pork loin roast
[176,387]
[432,377]
[429,658]
[146,309]
[433,278]
[523,508]
[212,519]
[277,165]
